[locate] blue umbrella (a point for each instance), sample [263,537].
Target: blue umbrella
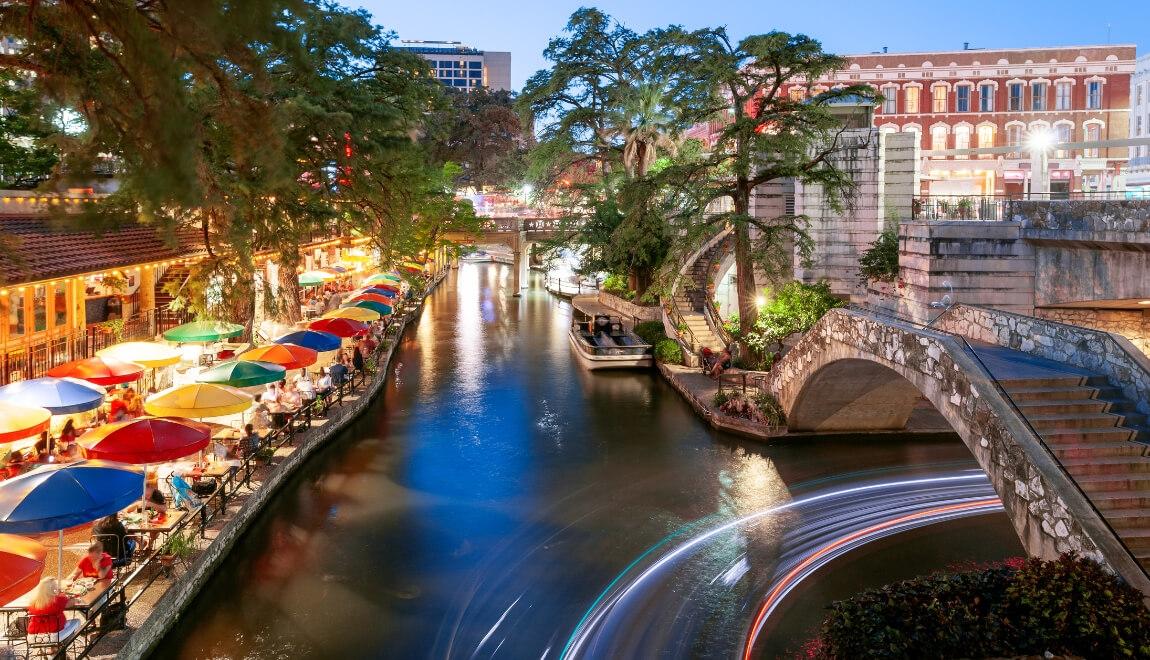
[55,497]
[387,293]
[61,396]
[314,339]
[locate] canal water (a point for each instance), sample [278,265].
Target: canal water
[499,501]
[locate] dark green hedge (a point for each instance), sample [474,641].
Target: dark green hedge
[650,331]
[1069,606]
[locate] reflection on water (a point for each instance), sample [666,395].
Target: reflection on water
[500,501]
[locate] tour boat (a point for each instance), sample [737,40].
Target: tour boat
[603,343]
[477,257]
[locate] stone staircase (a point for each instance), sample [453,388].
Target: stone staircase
[691,298]
[1093,430]
[174,273]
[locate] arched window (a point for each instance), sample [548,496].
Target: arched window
[1014,139]
[910,99]
[939,93]
[1063,133]
[986,138]
[938,138]
[962,137]
[890,99]
[1093,133]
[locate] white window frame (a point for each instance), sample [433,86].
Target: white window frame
[890,100]
[1101,92]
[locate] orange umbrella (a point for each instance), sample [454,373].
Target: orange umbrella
[288,356]
[105,371]
[21,563]
[18,422]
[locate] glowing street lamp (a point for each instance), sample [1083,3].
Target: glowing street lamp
[1039,143]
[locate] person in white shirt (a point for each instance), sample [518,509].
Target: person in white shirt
[305,387]
[324,386]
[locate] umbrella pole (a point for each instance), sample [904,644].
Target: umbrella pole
[60,555]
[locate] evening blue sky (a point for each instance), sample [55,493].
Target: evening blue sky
[845,27]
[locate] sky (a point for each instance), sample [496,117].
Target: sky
[523,27]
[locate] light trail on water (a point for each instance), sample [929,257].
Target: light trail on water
[827,524]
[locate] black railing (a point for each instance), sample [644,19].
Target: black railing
[993,208]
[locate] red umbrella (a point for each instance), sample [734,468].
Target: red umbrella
[386,287]
[102,371]
[146,440]
[339,327]
[372,297]
[21,563]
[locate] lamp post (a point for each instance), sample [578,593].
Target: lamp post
[1039,143]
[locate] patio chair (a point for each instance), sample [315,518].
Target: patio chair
[44,645]
[182,495]
[122,556]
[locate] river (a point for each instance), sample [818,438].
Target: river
[499,501]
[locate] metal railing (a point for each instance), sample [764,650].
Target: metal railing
[993,208]
[1001,389]
[558,285]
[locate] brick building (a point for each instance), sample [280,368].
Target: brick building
[996,98]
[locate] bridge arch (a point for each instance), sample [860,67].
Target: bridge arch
[855,371]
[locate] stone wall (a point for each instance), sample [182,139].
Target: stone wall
[1048,511]
[1104,353]
[1117,215]
[638,313]
[1133,324]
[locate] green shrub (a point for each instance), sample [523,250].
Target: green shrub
[1069,606]
[770,409]
[650,331]
[721,398]
[669,351]
[616,284]
[880,260]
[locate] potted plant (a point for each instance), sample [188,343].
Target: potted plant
[181,546]
[264,455]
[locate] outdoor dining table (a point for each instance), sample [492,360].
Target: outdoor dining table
[135,523]
[84,600]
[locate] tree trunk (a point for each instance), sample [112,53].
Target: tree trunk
[744,265]
[288,304]
[639,280]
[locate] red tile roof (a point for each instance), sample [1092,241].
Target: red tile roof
[33,248]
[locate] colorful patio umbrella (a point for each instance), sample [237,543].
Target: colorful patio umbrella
[377,291]
[149,354]
[288,356]
[307,280]
[380,278]
[21,564]
[337,270]
[61,396]
[104,371]
[19,422]
[413,267]
[203,331]
[198,400]
[340,327]
[242,373]
[146,440]
[314,339]
[370,297]
[321,275]
[53,498]
[353,313]
[380,308]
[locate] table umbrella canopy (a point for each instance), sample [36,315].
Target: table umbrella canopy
[383,309]
[307,280]
[288,356]
[149,354]
[413,267]
[19,422]
[385,290]
[243,373]
[321,275]
[198,400]
[339,327]
[353,313]
[314,339]
[337,270]
[56,497]
[21,564]
[203,331]
[104,371]
[371,297]
[146,440]
[61,396]
[382,279]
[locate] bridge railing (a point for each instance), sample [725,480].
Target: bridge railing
[998,386]
[997,208]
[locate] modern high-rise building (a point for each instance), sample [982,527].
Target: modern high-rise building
[1138,176]
[974,98]
[463,67]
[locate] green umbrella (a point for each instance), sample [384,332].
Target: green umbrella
[377,307]
[203,331]
[310,280]
[243,373]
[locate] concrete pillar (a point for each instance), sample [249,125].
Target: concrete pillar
[523,261]
[147,288]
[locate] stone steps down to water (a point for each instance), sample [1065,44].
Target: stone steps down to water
[691,298]
[1092,430]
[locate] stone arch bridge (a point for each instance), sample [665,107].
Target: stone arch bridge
[1078,490]
[519,234]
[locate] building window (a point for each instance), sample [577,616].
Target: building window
[939,93]
[961,137]
[911,100]
[1093,134]
[796,93]
[985,139]
[986,98]
[938,138]
[39,308]
[60,306]
[1015,97]
[1094,95]
[962,98]
[1062,96]
[890,99]
[15,314]
[1138,126]
[1138,94]
[1062,135]
[1014,139]
[1038,96]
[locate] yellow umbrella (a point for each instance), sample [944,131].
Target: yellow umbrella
[198,400]
[146,353]
[353,313]
[19,422]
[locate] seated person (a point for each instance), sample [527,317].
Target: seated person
[338,372]
[250,443]
[117,409]
[110,532]
[324,386]
[722,363]
[46,611]
[15,464]
[153,498]
[96,564]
